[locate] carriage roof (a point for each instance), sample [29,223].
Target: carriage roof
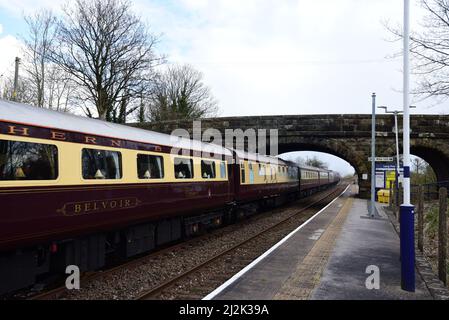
[25,114]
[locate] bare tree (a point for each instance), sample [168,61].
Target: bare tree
[38,43]
[422,173]
[418,164]
[61,90]
[430,49]
[300,160]
[52,87]
[109,53]
[180,93]
[23,94]
[317,163]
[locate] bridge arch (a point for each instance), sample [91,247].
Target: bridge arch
[329,146]
[430,151]
[437,159]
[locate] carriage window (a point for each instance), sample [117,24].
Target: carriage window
[150,167]
[101,164]
[183,168]
[207,169]
[223,170]
[242,171]
[28,161]
[261,170]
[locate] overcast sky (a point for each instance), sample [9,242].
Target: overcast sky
[265,57]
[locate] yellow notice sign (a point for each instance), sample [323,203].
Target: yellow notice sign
[391,177]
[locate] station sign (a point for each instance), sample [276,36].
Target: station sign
[388,167]
[380,179]
[382,159]
[386,175]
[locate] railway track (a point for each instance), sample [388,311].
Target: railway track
[159,290]
[204,287]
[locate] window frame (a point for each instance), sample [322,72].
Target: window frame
[192,163]
[150,155]
[31,181]
[105,179]
[225,171]
[211,162]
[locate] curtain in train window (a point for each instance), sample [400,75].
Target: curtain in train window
[207,169]
[251,173]
[223,170]
[150,167]
[28,161]
[101,164]
[183,168]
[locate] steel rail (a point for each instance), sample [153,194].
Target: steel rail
[153,292]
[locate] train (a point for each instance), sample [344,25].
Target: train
[77,191]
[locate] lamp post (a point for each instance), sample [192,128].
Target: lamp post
[396,130]
[407,210]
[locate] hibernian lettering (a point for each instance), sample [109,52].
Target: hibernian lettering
[58,135]
[91,140]
[24,131]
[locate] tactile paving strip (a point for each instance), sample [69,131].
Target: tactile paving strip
[302,282]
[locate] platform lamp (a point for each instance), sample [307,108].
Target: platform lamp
[396,130]
[407,218]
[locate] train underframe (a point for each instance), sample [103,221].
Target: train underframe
[25,267]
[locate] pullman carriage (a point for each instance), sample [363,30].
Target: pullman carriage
[310,180]
[262,178]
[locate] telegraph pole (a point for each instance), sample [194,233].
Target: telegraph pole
[407,210]
[16,80]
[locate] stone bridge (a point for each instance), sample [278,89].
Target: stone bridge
[345,136]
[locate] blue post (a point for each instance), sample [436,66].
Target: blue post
[407,214]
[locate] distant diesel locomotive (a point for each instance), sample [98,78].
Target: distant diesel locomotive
[74,190]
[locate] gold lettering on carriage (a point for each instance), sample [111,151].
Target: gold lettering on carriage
[95,206]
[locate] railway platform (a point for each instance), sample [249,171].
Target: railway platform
[340,253]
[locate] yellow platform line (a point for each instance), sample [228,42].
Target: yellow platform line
[302,282]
